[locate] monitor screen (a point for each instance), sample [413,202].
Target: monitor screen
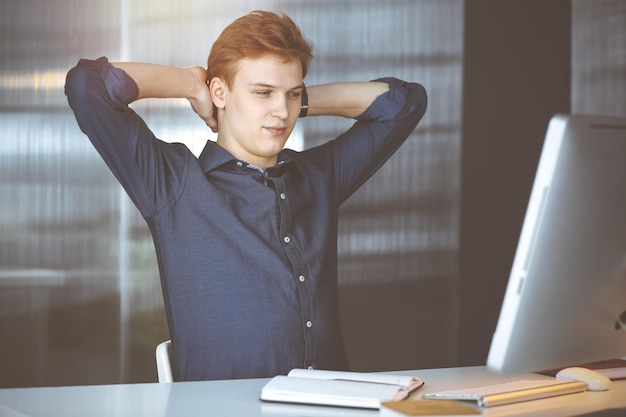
[565,302]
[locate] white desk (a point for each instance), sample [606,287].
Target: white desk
[240,398]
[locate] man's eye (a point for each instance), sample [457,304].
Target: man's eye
[295,94]
[262,93]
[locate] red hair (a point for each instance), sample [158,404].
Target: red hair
[254,35]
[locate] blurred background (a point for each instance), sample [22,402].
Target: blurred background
[425,247]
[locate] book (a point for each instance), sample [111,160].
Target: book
[427,408]
[339,388]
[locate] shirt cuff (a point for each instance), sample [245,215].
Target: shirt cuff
[121,87]
[389,104]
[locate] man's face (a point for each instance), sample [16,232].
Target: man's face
[261,109]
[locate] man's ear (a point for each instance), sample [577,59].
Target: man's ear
[218,88]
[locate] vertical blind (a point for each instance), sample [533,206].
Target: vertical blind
[80,298]
[599,57]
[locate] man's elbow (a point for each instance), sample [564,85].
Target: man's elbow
[76,82]
[419,100]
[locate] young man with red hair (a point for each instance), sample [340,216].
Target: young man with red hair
[246,234]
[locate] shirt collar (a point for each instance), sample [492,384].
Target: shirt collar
[214,156]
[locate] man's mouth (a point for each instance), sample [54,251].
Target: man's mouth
[276,130]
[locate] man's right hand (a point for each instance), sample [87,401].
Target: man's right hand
[201,101]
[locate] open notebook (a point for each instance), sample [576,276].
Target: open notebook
[339,388]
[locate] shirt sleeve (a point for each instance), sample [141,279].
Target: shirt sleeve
[149,170]
[378,133]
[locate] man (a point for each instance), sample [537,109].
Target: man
[246,234]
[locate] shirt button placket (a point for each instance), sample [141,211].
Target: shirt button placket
[282,197]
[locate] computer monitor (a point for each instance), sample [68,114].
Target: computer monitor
[565,302]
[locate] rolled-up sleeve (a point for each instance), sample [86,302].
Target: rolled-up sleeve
[99,95]
[378,133]
[402,98]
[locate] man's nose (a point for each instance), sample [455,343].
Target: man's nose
[280,107]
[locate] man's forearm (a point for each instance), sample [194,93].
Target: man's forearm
[161,81]
[348,99]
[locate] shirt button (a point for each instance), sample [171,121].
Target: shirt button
[283,196]
[239,164]
[287,239]
[309,324]
[301,278]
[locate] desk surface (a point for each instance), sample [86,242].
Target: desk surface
[241,398]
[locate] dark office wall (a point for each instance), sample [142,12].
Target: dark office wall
[516,76]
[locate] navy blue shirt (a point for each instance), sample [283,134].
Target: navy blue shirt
[248,259]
